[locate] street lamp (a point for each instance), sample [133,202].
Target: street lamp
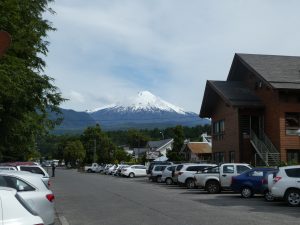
[162,134]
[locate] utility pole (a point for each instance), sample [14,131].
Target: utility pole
[94,156]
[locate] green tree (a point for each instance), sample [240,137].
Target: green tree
[178,138]
[26,93]
[74,153]
[136,139]
[94,139]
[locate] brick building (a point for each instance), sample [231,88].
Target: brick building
[256,112]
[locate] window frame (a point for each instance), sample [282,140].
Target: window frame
[218,129]
[292,130]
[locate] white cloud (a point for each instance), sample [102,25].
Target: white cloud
[109,50]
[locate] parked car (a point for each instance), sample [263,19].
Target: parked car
[37,170]
[111,169]
[15,211]
[252,182]
[33,190]
[156,173]
[186,174]
[106,168]
[286,184]
[176,172]
[215,179]
[152,164]
[32,167]
[119,169]
[134,171]
[94,168]
[167,174]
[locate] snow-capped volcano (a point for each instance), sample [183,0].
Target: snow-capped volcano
[144,101]
[144,111]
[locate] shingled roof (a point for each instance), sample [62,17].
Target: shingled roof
[234,93]
[281,72]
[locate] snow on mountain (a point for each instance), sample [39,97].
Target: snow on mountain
[100,108]
[144,101]
[144,111]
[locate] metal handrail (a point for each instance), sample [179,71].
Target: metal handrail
[262,149]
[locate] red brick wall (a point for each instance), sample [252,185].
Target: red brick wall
[274,114]
[287,141]
[230,140]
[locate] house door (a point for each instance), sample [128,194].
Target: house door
[256,124]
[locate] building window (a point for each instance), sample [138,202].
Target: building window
[292,123]
[293,156]
[231,156]
[218,130]
[219,157]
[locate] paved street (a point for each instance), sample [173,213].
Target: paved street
[90,199]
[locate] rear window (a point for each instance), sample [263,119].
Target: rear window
[212,170]
[32,169]
[293,172]
[15,183]
[241,169]
[159,168]
[196,168]
[179,167]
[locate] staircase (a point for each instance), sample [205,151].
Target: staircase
[265,149]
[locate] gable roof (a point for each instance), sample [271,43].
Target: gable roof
[199,147]
[280,72]
[234,93]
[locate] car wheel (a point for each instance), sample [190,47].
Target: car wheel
[190,184]
[131,175]
[246,192]
[89,170]
[169,181]
[212,187]
[268,196]
[158,179]
[292,197]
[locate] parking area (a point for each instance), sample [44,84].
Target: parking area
[84,198]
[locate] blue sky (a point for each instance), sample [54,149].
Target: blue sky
[105,51]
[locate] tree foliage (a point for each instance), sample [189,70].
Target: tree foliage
[74,153]
[26,93]
[178,138]
[94,140]
[136,139]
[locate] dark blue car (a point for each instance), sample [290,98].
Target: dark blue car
[252,182]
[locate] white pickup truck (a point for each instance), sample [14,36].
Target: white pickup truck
[218,178]
[94,168]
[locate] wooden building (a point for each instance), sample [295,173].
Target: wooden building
[255,113]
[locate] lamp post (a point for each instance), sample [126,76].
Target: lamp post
[162,134]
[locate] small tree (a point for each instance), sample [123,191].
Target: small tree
[74,153]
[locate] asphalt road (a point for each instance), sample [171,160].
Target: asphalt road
[94,199]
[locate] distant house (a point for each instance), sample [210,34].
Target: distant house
[139,152]
[156,149]
[197,152]
[255,113]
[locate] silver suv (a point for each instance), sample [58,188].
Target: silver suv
[167,174]
[156,173]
